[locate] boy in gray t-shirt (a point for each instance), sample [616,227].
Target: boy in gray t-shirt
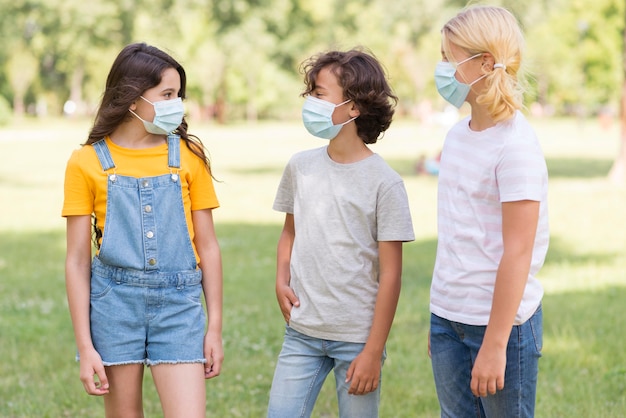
[338,278]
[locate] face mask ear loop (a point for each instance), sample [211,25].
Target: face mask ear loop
[468,59]
[136,115]
[349,120]
[478,79]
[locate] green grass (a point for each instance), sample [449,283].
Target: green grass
[583,371]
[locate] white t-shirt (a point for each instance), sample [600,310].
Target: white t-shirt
[478,172]
[341,212]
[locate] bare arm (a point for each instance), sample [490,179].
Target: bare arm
[519,225]
[210,254]
[364,372]
[78,282]
[287,299]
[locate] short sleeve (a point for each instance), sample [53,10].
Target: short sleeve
[394,215]
[78,195]
[522,172]
[201,188]
[284,200]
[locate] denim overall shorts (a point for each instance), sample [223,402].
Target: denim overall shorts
[146,286]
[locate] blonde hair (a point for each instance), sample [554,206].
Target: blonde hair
[495,30]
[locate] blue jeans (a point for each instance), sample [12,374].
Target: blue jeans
[454,348]
[303,364]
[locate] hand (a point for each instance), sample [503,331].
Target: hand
[364,374]
[287,299]
[488,371]
[214,355]
[92,373]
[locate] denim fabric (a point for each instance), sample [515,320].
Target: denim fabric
[303,364]
[145,226]
[150,318]
[454,348]
[145,285]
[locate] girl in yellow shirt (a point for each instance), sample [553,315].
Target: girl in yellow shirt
[147,184]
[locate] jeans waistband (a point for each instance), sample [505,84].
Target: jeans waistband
[147,279]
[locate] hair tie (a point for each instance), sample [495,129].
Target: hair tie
[498,65]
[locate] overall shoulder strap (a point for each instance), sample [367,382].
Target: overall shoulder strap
[173,151]
[104,155]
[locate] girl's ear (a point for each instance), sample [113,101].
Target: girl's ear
[133,105]
[487,61]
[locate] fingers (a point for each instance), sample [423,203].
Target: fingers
[350,372]
[293,299]
[214,355]
[488,371]
[96,384]
[361,384]
[286,311]
[287,302]
[287,295]
[500,384]
[212,368]
[485,386]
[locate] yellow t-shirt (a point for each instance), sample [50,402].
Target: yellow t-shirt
[86,183]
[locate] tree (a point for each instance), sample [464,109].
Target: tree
[618,171]
[243,56]
[22,71]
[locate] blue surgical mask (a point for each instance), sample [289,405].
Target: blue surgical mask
[448,86]
[317,115]
[168,115]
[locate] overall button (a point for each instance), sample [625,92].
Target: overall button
[113,177]
[174,177]
[144,183]
[152,261]
[148,208]
[149,234]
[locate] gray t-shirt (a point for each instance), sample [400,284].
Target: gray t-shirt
[341,212]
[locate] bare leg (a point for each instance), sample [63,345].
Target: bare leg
[181,389]
[124,399]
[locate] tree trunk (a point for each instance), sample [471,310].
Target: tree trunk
[19,108]
[618,171]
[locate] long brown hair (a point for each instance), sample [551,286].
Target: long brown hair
[137,68]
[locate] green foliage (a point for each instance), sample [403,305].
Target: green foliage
[244,55]
[575,54]
[6,113]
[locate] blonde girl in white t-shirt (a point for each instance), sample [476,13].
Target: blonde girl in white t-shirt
[486,322]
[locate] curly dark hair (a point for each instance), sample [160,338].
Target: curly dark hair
[363,81]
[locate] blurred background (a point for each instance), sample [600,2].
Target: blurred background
[242,56]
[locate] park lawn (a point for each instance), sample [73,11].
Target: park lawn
[583,370]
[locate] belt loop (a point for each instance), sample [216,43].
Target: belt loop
[180,282]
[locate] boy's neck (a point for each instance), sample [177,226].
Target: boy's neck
[348,149]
